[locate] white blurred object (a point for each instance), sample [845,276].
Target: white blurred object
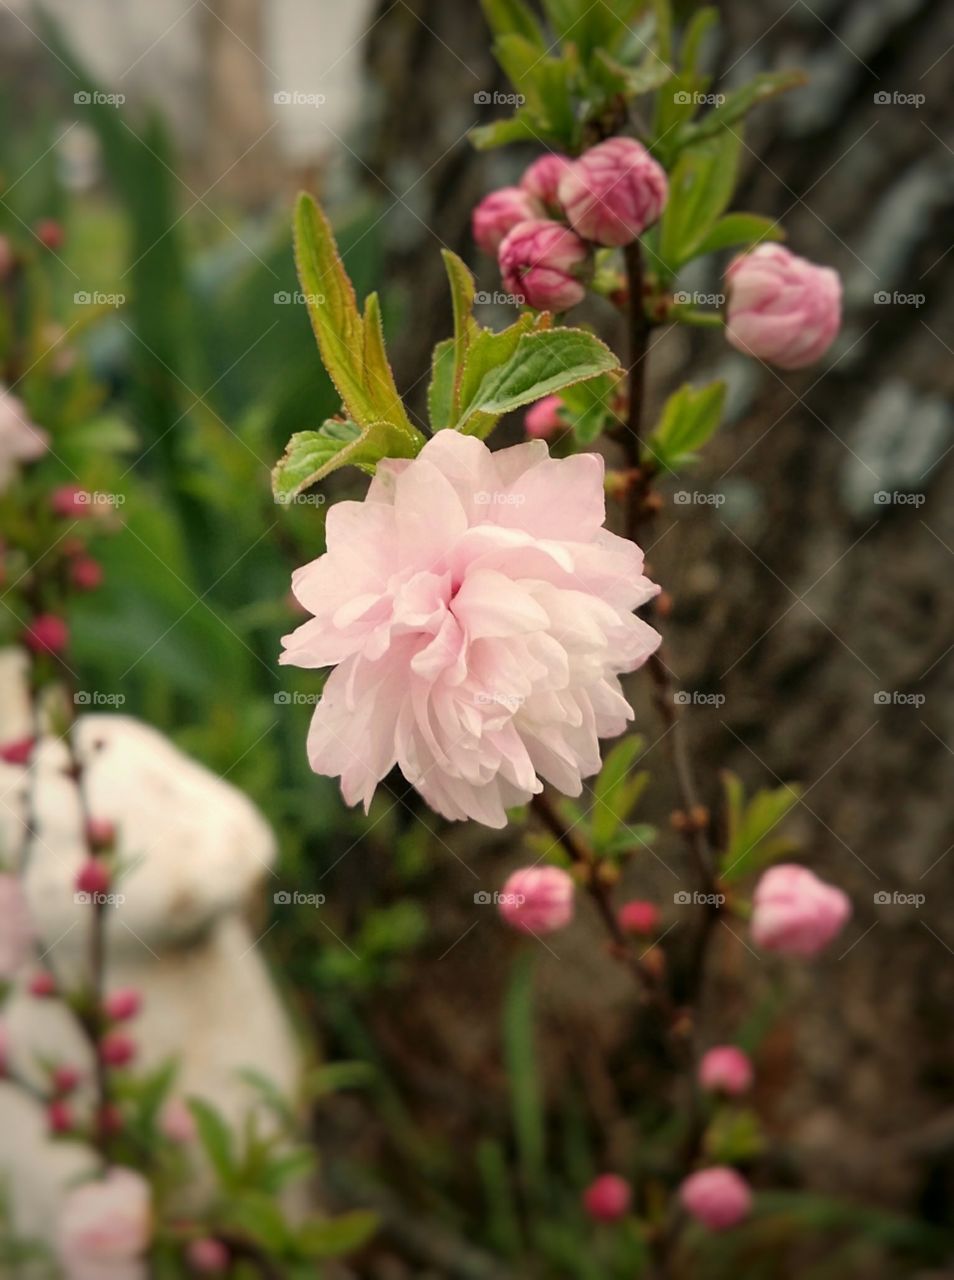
[197,849]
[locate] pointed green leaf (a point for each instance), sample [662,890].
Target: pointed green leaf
[700,189]
[543,363]
[465,327]
[216,1139]
[440,392]
[739,230]
[765,86]
[488,352]
[312,455]
[588,407]
[332,1237]
[522,126]
[753,840]
[352,347]
[613,798]
[689,418]
[505,16]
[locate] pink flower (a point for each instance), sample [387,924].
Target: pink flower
[541,262]
[176,1122]
[42,985]
[208,1256]
[614,192]
[638,917]
[719,1197]
[499,213]
[101,833]
[543,420]
[542,179]
[121,1005]
[608,1198]
[18,751]
[16,929]
[782,308]
[86,574]
[50,233]
[795,913]
[105,1227]
[478,616]
[70,502]
[726,1069]
[65,1079]
[93,877]
[537,900]
[117,1049]
[59,1116]
[47,633]
[20,439]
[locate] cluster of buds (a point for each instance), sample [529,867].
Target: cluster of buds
[543,231]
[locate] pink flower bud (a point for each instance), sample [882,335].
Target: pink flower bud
[176,1122]
[726,1069]
[537,899]
[109,1120]
[782,308]
[59,1116]
[93,877]
[795,913]
[49,232]
[614,192]
[608,1198]
[86,574]
[542,179]
[541,262]
[719,1197]
[117,1049]
[638,917]
[543,419]
[499,213]
[47,633]
[101,833]
[42,985]
[17,752]
[69,502]
[123,1004]
[208,1256]
[65,1079]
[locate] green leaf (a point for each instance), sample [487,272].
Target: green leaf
[216,1139]
[588,407]
[332,1237]
[312,455]
[613,798]
[488,352]
[351,345]
[440,392]
[734,1136]
[505,16]
[689,418]
[256,1216]
[765,86]
[739,229]
[615,77]
[523,1077]
[700,188]
[752,842]
[522,126]
[543,363]
[465,327]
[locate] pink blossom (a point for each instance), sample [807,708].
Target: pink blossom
[93,877]
[117,1049]
[543,420]
[542,179]
[638,916]
[613,192]
[47,633]
[70,502]
[101,833]
[18,751]
[86,574]
[541,262]
[478,617]
[537,899]
[726,1069]
[718,1197]
[50,233]
[105,1228]
[208,1256]
[121,1005]
[782,308]
[20,439]
[608,1198]
[499,213]
[65,1079]
[795,913]
[42,985]
[59,1116]
[176,1122]
[16,929]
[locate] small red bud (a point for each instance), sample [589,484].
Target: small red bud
[42,985]
[608,1198]
[50,233]
[18,752]
[59,1116]
[70,502]
[117,1049]
[639,917]
[109,1120]
[101,833]
[47,633]
[123,1004]
[86,574]
[93,877]
[65,1079]
[208,1256]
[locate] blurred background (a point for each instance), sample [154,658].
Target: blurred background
[168,139]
